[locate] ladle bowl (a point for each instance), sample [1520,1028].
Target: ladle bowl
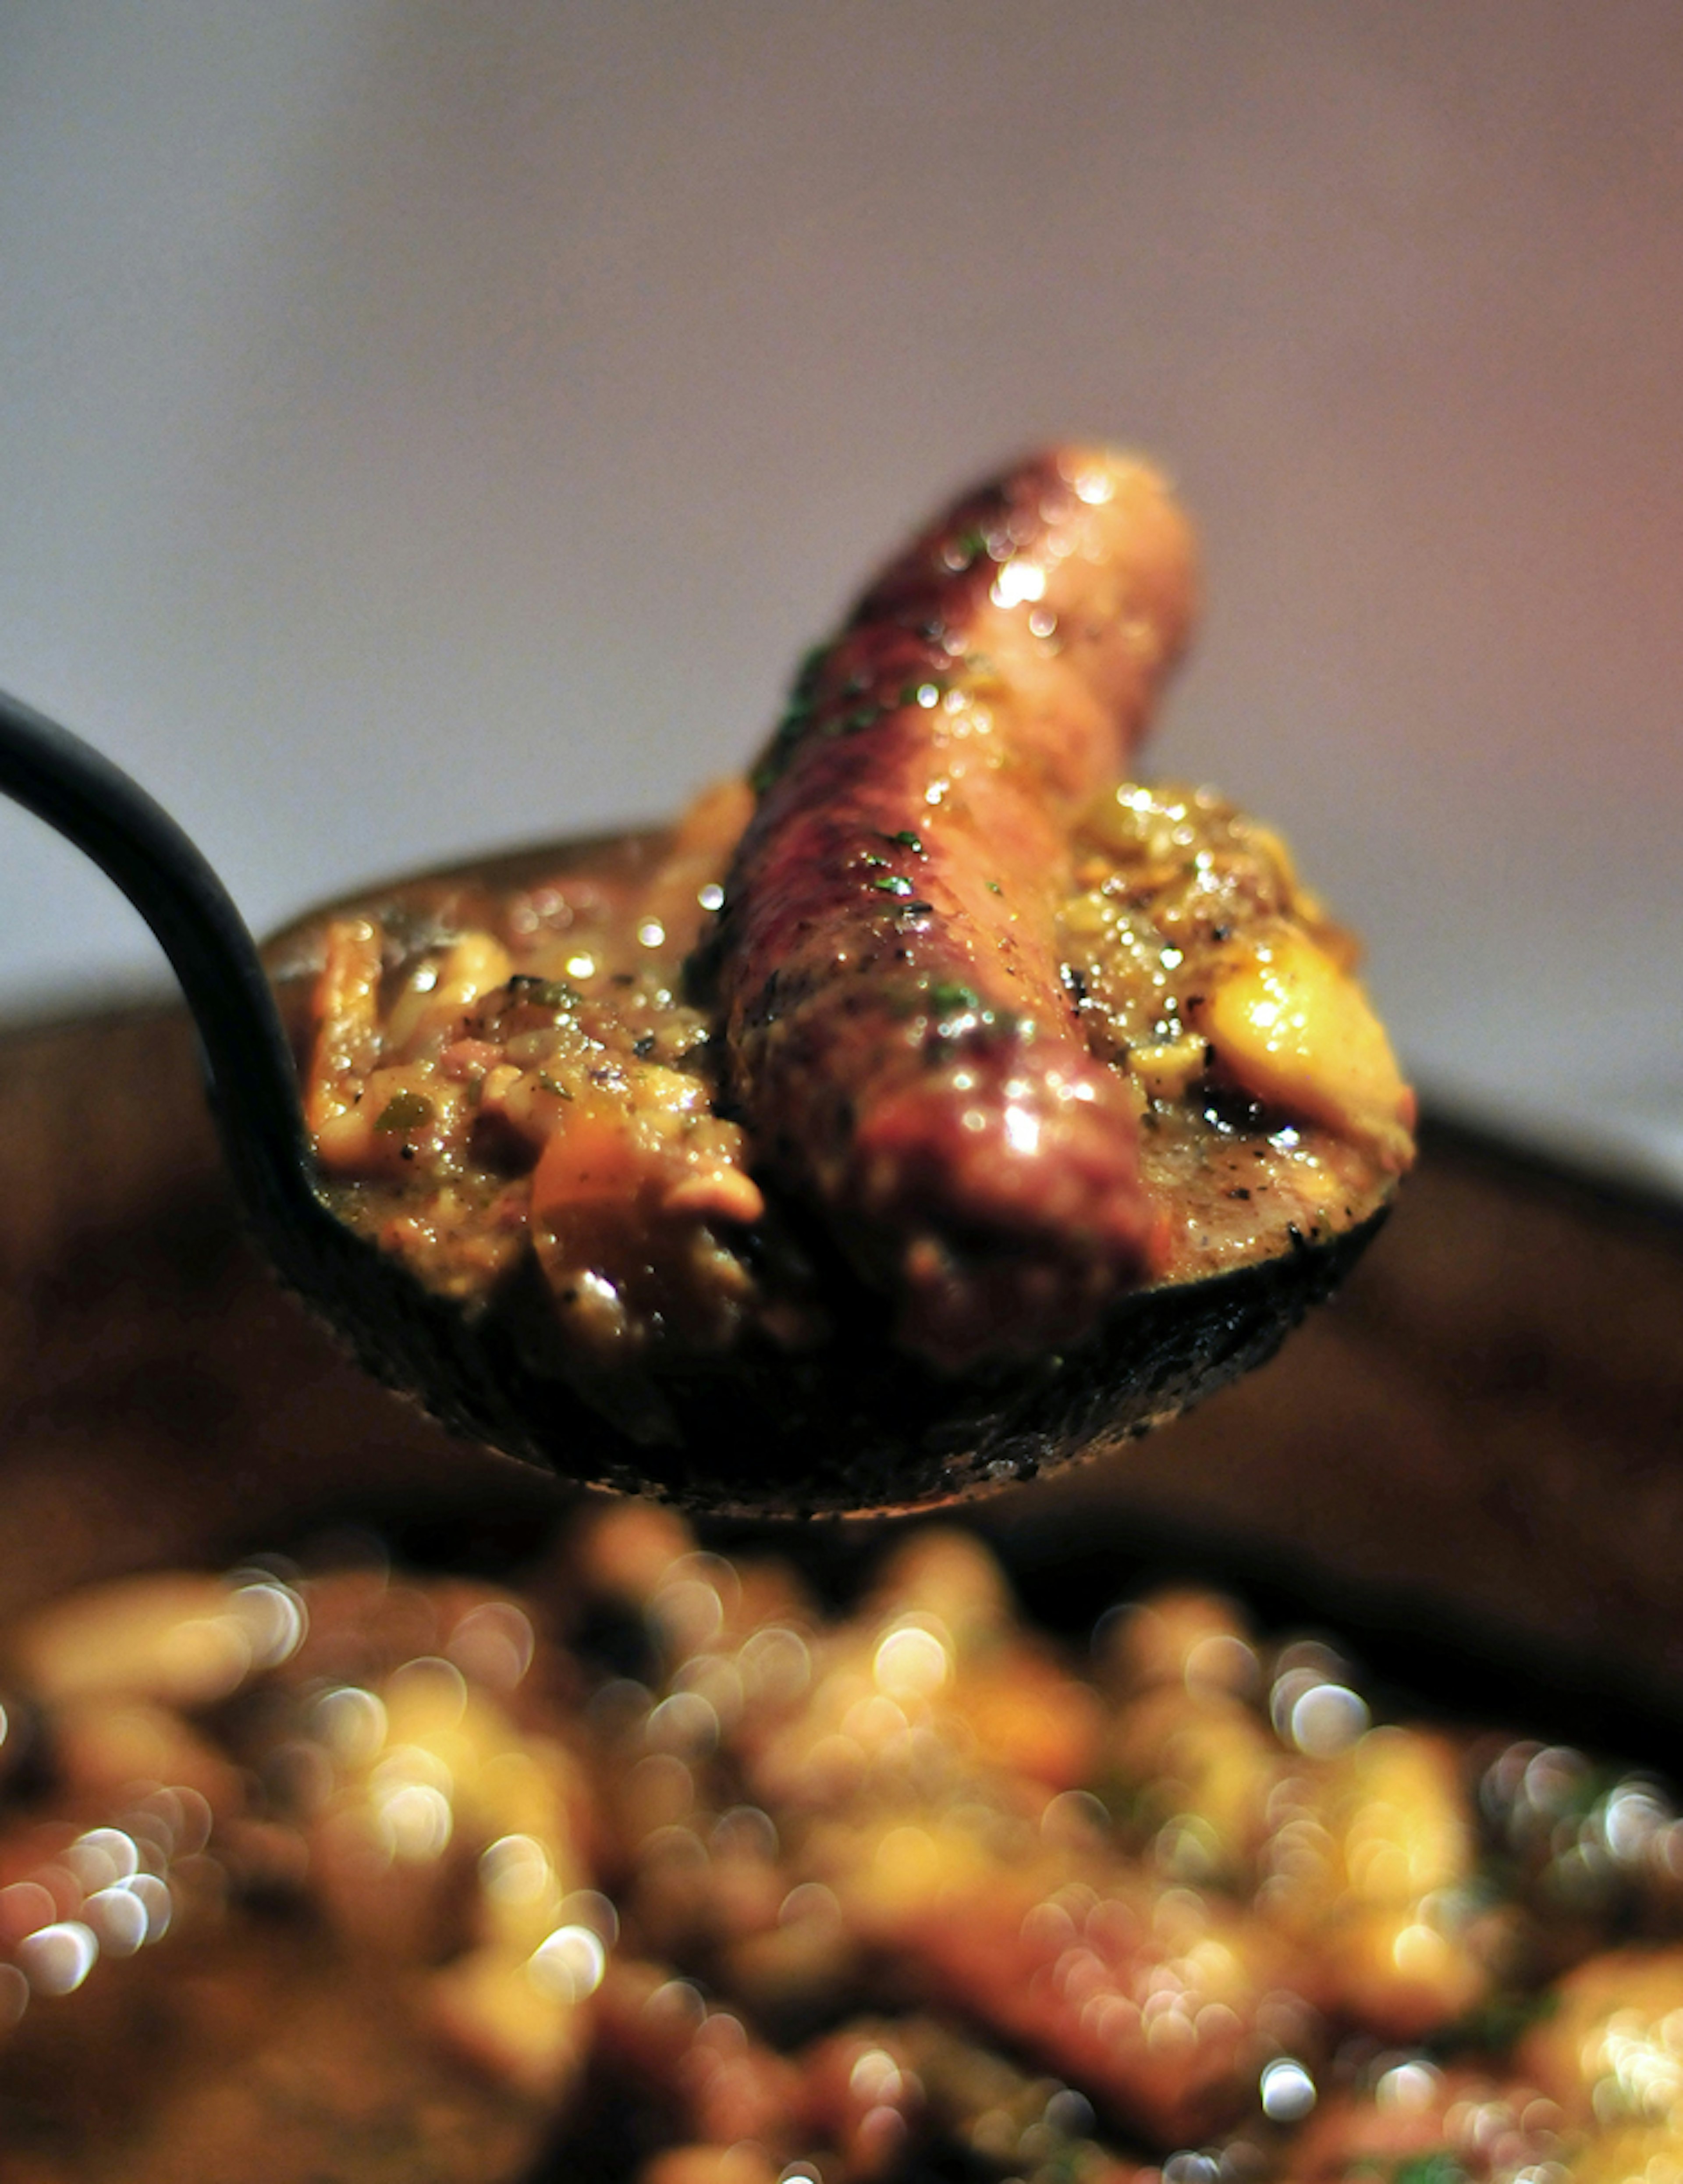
[854,1426]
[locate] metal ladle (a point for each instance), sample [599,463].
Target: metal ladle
[856,1426]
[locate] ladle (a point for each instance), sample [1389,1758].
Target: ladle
[854,1427]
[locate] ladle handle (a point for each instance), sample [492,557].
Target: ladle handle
[414,1341]
[135,843]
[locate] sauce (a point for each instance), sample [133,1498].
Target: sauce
[506,1074]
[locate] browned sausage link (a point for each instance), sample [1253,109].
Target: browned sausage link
[900,1037]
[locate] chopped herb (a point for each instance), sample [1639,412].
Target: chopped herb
[876,863]
[947,994]
[543,993]
[891,883]
[803,701]
[1438,2167]
[1497,2024]
[994,887]
[920,909]
[553,1084]
[404,1111]
[908,840]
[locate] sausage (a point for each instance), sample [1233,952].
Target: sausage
[897,1033]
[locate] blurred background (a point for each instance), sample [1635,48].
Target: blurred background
[425,428]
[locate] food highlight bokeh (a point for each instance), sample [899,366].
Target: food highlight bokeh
[666,1869]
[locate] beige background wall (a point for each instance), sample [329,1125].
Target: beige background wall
[426,425]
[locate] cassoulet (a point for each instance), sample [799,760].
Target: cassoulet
[938,1005]
[661,1873]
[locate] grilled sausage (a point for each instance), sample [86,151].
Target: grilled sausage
[899,1037]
